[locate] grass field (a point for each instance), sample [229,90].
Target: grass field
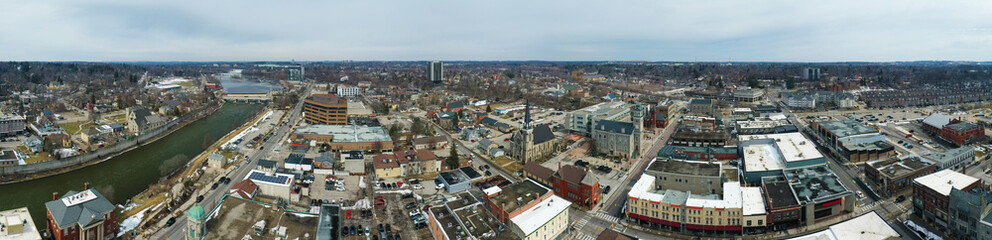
[73,128]
[34,158]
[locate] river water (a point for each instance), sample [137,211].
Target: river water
[128,174]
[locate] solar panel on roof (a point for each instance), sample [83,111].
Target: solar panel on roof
[265,178]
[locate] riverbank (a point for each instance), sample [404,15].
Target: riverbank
[43,174]
[145,205]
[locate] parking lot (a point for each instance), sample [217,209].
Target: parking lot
[389,211]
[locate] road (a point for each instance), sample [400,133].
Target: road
[177,230]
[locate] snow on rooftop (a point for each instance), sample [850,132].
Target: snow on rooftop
[941,182]
[868,226]
[492,190]
[769,155]
[535,217]
[753,201]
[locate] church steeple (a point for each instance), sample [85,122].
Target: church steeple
[527,115]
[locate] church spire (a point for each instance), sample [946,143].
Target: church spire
[527,115]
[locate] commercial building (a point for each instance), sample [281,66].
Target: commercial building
[417,162]
[326,109]
[583,121]
[926,96]
[435,71]
[297,161]
[85,215]
[18,225]
[951,158]
[455,180]
[698,177]
[531,211]
[249,97]
[465,218]
[765,126]
[701,106]
[272,184]
[767,155]
[692,135]
[347,137]
[868,226]
[244,189]
[11,124]
[805,196]
[749,95]
[853,141]
[698,153]
[894,176]
[754,215]
[931,196]
[966,210]
[953,130]
[654,206]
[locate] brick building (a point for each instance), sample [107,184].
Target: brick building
[952,129]
[931,196]
[325,109]
[570,182]
[81,216]
[891,177]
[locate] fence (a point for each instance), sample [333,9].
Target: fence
[9,173]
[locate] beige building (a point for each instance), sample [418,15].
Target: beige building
[685,175]
[386,166]
[141,120]
[652,205]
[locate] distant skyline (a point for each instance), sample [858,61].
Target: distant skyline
[510,30]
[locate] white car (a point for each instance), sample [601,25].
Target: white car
[414,212]
[340,188]
[439,186]
[418,187]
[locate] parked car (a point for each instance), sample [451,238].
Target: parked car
[418,187]
[900,199]
[411,205]
[171,221]
[214,186]
[606,190]
[414,212]
[199,198]
[352,230]
[379,200]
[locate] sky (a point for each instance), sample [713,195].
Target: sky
[573,30]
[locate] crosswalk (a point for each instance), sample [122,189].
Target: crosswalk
[607,217]
[869,207]
[583,236]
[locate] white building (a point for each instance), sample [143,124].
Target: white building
[348,91]
[800,101]
[544,221]
[272,184]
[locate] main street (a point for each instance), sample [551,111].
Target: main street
[210,200]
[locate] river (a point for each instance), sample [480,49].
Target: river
[128,174]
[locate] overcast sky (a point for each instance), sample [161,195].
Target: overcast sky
[312,30]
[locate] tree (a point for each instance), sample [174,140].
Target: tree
[790,83]
[394,130]
[489,108]
[454,122]
[452,160]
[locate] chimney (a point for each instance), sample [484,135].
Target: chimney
[86,186]
[55,196]
[559,164]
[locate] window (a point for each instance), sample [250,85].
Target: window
[749,222]
[760,222]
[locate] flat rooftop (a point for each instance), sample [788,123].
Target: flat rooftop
[18,216]
[897,167]
[775,151]
[347,133]
[814,184]
[685,167]
[483,225]
[753,201]
[847,128]
[948,155]
[447,222]
[604,109]
[464,199]
[868,226]
[942,182]
[454,176]
[778,194]
[237,216]
[516,195]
